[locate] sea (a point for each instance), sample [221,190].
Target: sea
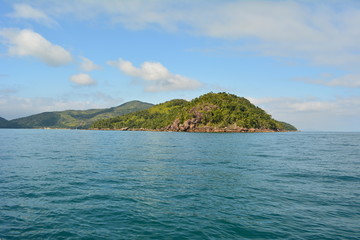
[81,184]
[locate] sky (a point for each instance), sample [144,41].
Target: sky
[299,60]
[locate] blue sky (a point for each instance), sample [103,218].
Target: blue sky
[298,60]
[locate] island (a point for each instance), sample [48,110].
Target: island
[211,112]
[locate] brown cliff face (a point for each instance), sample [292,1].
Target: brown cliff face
[186,126]
[192,125]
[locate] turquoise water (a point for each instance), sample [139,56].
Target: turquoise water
[68,184]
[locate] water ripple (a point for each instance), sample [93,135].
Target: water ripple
[147,185]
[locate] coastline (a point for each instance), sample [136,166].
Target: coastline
[199,130]
[205,129]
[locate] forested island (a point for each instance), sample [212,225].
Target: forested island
[211,112]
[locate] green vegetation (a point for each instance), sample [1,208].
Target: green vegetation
[80,119]
[6,124]
[156,117]
[214,110]
[288,127]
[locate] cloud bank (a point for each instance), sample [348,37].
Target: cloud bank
[155,76]
[29,43]
[339,114]
[348,81]
[323,34]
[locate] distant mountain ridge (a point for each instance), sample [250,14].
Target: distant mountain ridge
[5,123]
[80,119]
[211,112]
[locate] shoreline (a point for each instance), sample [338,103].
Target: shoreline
[199,130]
[195,130]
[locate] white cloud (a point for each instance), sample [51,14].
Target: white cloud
[88,65]
[338,114]
[82,79]
[349,81]
[28,43]
[155,76]
[27,12]
[325,34]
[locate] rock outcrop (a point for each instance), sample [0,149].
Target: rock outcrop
[192,125]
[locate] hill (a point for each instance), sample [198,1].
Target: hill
[77,118]
[5,123]
[212,112]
